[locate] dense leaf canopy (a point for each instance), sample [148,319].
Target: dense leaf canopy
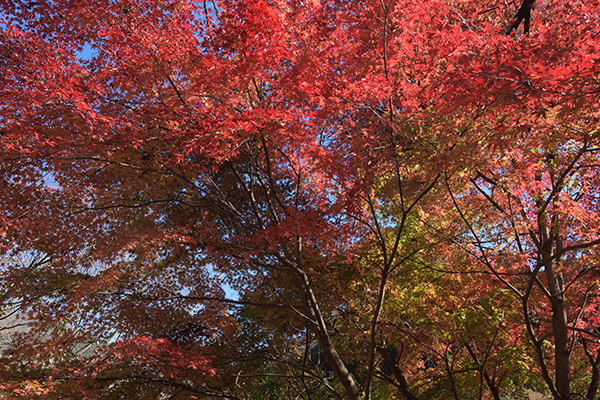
[321,199]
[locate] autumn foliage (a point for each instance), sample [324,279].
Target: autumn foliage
[253,199]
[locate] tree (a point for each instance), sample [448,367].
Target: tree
[323,160]
[522,210]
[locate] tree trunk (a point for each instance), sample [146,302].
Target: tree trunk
[560,319]
[320,328]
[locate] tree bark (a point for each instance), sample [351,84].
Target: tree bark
[595,382]
[320,328]
[402,383]
[560,320]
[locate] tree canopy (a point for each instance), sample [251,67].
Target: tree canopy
[321,199]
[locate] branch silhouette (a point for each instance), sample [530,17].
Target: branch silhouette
[524,14]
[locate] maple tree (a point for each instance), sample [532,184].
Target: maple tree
[379,182]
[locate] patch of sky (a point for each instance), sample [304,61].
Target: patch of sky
[86,53]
